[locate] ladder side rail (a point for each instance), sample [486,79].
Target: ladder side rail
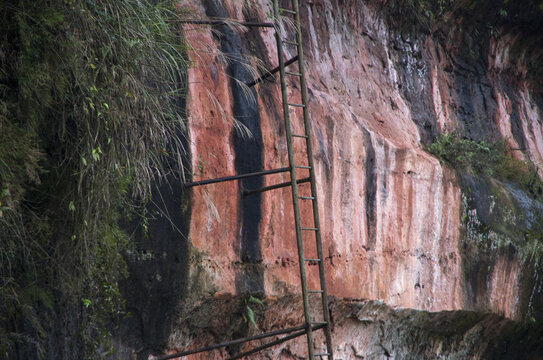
[308,326]
[294,186]
[308,128]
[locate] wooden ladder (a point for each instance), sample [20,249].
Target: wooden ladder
[302,226]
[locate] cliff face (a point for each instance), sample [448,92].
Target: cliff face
[366,330]
[398,226]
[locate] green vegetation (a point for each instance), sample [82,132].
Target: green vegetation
[487,159]
[88,122]
[424,11]
[248,313]
[497,219]
[424,15]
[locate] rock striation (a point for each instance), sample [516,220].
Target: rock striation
[399,227]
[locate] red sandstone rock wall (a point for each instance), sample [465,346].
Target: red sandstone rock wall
[391,214]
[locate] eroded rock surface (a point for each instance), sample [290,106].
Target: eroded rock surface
[363,330]
[391,213]
[397,225]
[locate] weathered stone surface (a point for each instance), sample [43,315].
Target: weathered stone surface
[398,226]
[362,330]
[390,212]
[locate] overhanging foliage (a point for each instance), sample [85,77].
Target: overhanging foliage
[89,120]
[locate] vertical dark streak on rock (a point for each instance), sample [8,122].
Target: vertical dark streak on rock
[248,152]
[474,90]
[371,190]
[466,111]
[476,264]
[371,185]
[516,123]
[531,295]
[321,154]
[159,268]
[415,88]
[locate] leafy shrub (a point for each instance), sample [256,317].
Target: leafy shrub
[465,154]
[482,158]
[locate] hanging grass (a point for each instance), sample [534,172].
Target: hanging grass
[89,121]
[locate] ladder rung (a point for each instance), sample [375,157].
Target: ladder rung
[302,167]
[312,259]
[276,186]
[291,42]
[297,105]
[321,354]
[315,291]
[222,22]
[288,11]
[300,136]
[319,323]
[269,73]
[236,177]
[306,197]
[293,74]
[312,229]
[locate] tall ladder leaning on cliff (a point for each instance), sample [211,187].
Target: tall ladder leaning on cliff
[300,228]
[312,323]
